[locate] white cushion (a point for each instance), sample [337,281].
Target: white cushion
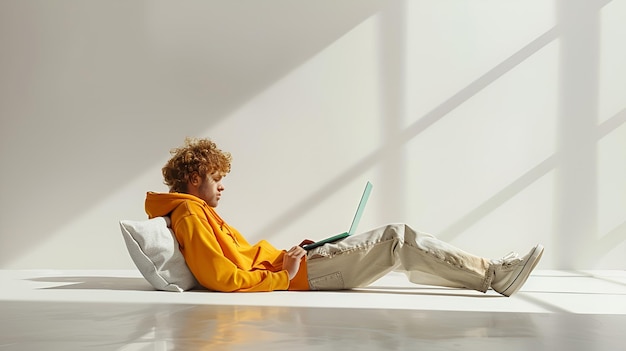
[154,249]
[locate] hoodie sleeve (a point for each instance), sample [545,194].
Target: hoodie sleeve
[206,255]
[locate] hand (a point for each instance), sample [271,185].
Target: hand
[291,260]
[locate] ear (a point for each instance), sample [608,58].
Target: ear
[194,179]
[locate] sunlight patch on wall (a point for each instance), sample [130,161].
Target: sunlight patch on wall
[612,181]
[612,97]
[451,44]
[487,143]
[611,244]
[612,148]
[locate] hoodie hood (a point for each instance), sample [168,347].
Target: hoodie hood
[161,204]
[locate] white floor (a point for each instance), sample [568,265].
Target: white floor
[118,310]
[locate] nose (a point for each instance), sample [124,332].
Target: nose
[220,186]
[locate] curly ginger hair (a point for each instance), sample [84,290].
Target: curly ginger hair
[199,156]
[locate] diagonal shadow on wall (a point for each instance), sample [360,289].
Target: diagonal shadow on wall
[397,141]
[91,91]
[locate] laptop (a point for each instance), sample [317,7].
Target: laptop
[355,221]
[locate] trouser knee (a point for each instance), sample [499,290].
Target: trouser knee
[403,233]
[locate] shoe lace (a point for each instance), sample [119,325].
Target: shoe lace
[510,258]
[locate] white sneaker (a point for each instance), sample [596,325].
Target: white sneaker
[511,271]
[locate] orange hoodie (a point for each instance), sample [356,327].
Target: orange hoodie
[217,254]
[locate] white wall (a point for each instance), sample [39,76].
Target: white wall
[493,124]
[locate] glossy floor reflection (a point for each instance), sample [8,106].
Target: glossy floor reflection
[118,311]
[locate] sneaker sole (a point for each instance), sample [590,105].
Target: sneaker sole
[523,275]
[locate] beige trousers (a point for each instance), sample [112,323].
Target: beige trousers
[359,260]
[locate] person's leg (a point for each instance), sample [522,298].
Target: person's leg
[359,260]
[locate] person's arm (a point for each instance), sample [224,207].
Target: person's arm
[206,260]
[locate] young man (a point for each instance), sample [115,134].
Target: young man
[222,260]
